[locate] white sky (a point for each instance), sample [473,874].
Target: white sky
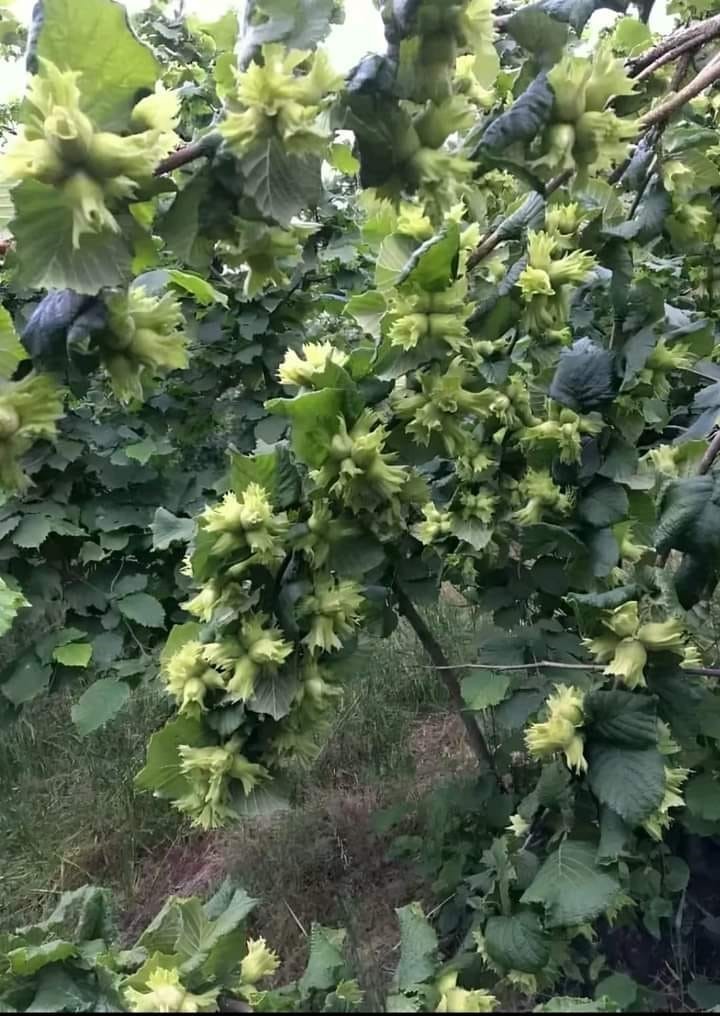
[361,33]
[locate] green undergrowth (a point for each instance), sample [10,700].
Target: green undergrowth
[69,813]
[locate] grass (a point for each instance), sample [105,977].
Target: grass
[69,813]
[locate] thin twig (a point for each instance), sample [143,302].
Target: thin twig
[712,452]
[450,677]
[490,242]
[552,665]
[706,77]
[295,918]
[698,33]
[671,55]
[188,153]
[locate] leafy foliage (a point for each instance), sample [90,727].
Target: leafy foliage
[288,408]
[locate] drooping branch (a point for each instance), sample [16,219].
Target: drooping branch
[449,675]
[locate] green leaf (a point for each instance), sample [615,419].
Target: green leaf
[538,33]
[179,635]
[525,118]
[32,531]
[603,504]
[223,31]
[261,802]
[368,309]
[614,834]
[604,551]
[144,609]
[43,227]
[568,1003]
[342,159]
[168,529]
[315,421]
[355,556]
[472,531]
[620,988]
[631,36]
[570,886]
[274,693]
[180,224]
[623,718]
[28,959]
[162,773]
[76,654]
[635,352]
[485,689]
[418,948]
[433,265]
[11,601]
[702,796]
[517,943]
[584,377]
[199,936]
[275,471]
[200,288]
[28,679]
[280,185]
[705,994]
[93,37]
[11,349]
[326,962]
[630,781]
[395,251]
[300,24]
[99,703]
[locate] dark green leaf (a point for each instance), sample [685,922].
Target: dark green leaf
[603,504]
[622,718]
[98,704]
[584,378]
[281,185]
[517,943]
[93,37]
[525,118]
[144,609]
[43,227]
[630,781]
[418,947]
[570,886]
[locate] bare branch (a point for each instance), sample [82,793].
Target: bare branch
[552,665]
[706,77]
[697,35]
[449,676]
[188,153]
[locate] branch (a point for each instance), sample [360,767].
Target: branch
[707,76]
[695,35]
[188,153]
[449,676]
[551,665]
[713,450]
[490,242]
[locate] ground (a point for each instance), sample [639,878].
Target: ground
[69,813]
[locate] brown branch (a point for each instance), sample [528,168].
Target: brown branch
[713,450]
[551,665]
[449,675]
[188,153]
[673,54]
[696,35]
[490,242]
[706,77]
